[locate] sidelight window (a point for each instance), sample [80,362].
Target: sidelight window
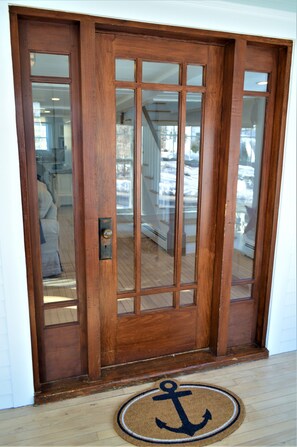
[53,155]
[248,193]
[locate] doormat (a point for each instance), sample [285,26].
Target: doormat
[173,414]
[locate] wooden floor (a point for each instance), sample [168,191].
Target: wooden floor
[267,388]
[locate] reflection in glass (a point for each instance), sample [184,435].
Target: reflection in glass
[125,70]
[53,150]
[125,117]
[125,306]
[151,302]
[191,179]
[241,291]
[248,184]
[160,73]
[187,297]
[195,75]
[60,315]
[43,64]
[255,81]
[158,195]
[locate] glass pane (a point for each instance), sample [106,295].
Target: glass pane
[194,75]
[151,302]
[191,179]
[53,150]
[125,306]
[124,70]
[49,65]
[160,73]
[187,297]
[125,117]
[255,81]
[241,291]
[60,315]
[159,154]
[248,184]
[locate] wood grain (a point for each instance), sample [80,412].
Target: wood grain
[155,334]
[89,178]
[228,166]
[267,388]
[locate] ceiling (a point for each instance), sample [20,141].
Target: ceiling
[277,5]
[280,5]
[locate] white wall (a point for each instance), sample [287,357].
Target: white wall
[16,381]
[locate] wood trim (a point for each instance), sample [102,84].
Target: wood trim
[33,217]
[138,188]
[89,141]
[228,166]
[155,86]
[273,198]
[78,191]
[179,203]
[59,304]
[169,51]
[208,195]
[105,190]
[149,370]
[157,290]
[24,186]
[139,28]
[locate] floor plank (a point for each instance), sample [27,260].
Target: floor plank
[267,388]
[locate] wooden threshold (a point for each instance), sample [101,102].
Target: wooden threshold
[145,371]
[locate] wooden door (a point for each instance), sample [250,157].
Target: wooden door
[135,143]
[158,130]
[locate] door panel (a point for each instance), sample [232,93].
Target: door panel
[155,334]
[153,145]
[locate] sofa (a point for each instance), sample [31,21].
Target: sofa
[49,232]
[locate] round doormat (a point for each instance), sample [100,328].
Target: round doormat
[173,414]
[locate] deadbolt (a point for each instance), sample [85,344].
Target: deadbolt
[107,233]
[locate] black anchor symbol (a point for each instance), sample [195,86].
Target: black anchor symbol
[169,387]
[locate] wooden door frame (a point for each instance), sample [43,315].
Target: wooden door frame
[223,311]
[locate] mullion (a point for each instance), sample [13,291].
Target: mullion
[180,193]
[157,290]
[137,188]
[58,304]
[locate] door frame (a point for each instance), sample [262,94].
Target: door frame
[224,313]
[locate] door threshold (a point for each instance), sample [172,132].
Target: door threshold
[146,371]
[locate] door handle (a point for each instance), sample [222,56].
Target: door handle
[105,238]
[107,234]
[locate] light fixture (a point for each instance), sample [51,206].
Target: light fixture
[46,111]
[262,83]
[55,99]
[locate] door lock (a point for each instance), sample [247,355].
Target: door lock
[105,238]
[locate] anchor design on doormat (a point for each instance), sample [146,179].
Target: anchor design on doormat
[169,387]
